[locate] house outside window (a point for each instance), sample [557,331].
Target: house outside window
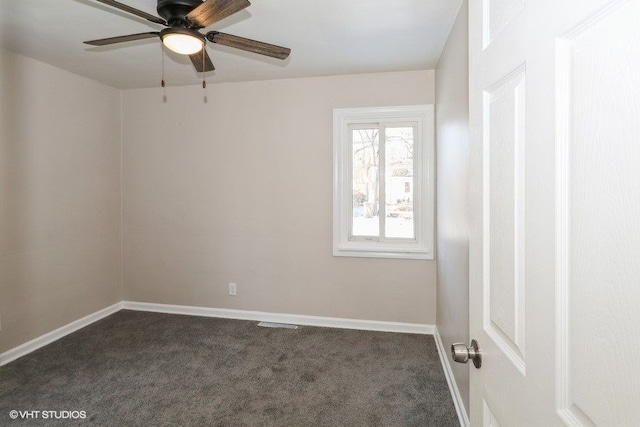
[384,182]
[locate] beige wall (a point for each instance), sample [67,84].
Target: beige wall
[239,189]
[452,123]
[59,198]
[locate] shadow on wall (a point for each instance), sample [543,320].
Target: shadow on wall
[16,193]
[59,198]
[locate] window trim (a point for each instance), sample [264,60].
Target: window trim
[422,247]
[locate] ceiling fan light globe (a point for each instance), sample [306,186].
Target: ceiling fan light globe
[183,44]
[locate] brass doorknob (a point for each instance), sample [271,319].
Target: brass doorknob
[461,353]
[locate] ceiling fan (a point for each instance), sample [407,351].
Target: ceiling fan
[183,19]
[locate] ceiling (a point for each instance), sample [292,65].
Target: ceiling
[327,37]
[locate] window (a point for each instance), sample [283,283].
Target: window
[383,190]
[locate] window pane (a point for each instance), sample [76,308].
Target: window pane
[365,221]
[399,182]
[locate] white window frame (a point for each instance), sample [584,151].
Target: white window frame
[422,246]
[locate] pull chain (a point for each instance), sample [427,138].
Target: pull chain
[162,50]
[204,82]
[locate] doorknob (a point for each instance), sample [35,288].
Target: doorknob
[461,353]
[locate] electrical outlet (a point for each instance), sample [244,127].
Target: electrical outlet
[232,289]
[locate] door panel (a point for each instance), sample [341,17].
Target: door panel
[499,79]
[504,143]
[497,14]
[555,202]
[598,217]
[489,419]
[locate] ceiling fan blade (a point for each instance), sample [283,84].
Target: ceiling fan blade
[198,63]
[120,39]
[212,11]
[134,11]
[249,45]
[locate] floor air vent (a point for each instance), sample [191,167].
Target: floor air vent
[277,325]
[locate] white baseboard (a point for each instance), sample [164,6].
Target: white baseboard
[327,322]
[259,316]
[41,341]
[453,386]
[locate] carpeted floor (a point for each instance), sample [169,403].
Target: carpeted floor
[148,369]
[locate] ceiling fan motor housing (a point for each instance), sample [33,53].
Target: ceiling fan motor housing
[174,11]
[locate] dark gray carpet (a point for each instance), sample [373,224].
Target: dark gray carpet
[148,369]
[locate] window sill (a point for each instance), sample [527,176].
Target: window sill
[382,254]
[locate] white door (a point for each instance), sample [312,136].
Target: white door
[555,200]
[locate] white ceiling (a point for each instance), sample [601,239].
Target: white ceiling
[327,37]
